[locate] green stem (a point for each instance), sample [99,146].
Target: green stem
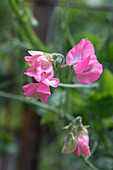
[68,35]
[88,163]
[78,85]
[27,29]
[27,101]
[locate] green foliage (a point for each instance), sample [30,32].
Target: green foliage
[94,104]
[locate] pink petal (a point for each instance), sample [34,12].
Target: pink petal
[86,48]
[89,76]
[28,59]
[43,88]
[83,149]
[48,70]
[54,82]
[35,71]
[35,53]
[81,65]
[83,145]
[82,50]
[31,90]
[44,97]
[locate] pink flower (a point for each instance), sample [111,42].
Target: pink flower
[42,71]
[41,68]
[84,62]
[40,56]
[82,144]
[37,72]
[37,90]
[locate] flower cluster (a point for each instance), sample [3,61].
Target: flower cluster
[76,140]
[83,59]
[42,71]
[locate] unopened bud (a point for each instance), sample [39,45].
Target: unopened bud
[70,144]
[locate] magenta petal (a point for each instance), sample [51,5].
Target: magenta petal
[81,65]
[83,148]
[44,97]
[31,90]
[83,145]
[88,77]
[76,151]
[35,53]
[43,88]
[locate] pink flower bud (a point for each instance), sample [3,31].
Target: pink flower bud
[82,144]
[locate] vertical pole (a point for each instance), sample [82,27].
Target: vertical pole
[42,11]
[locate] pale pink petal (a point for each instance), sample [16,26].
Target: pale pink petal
[28,59]
[32,59]
[31,90]
[54,82]
[81,65]
[49,72]
[90,75]
[35,53]
[71,57]
[82,50]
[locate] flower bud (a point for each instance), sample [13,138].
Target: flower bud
[82,143]
[70,143]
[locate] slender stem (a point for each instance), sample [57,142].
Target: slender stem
[68,35]
[27,29]
[88,163]
[78,85]
[65,65]
[84,6]
[59,64]
[27,101]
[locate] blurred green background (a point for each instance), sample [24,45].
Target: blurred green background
[31,133]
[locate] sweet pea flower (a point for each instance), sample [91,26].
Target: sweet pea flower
[41,68]
[38,55]
[36,71]
[37,90]
[82,144]
[40,89]
[84,62]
